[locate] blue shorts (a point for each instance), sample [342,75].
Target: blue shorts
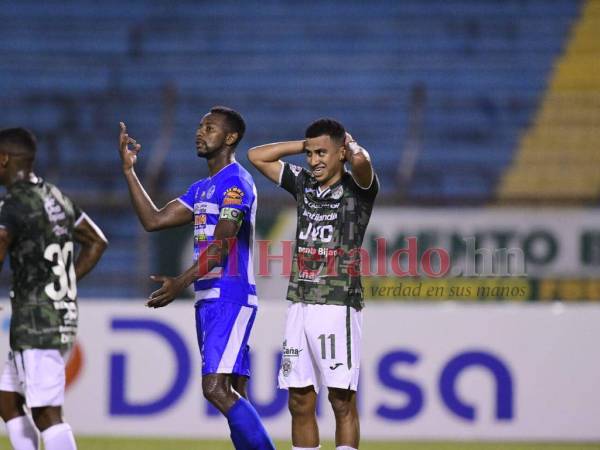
[223,329]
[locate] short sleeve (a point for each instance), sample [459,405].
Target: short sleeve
[189,198]
[8,216]
[367,194]
[291,178]
[78,213]
[235,193]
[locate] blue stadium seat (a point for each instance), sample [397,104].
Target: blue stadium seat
[72,70]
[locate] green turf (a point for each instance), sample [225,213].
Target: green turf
[93,443]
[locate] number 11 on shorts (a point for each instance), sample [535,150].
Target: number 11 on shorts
[331,338]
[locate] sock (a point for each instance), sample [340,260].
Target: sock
[237,438]
[247,431]
[59,437]
[22,434]
[345,447]
[306,448]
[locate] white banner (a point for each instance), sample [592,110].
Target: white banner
[429,371]
[553,242]
[521,243]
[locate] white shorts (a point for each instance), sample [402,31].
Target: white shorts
[321,347]
[36,374]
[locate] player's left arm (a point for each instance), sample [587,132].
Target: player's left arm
[92,245]
[360,162]
[212,256]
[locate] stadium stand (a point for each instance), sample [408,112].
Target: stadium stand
[558,156]
[71,71]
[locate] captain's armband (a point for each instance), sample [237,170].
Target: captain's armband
[232,214]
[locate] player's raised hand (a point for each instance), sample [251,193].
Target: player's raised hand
[170,289]
[128,154]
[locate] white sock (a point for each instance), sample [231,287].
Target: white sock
[345,447]
[59,437]
[306,448]
[22,434]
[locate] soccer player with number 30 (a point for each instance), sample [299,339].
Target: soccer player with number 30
[38,225]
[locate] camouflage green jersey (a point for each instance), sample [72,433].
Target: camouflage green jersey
[43,294]
[330,230]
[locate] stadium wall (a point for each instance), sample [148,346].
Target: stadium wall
[429,371]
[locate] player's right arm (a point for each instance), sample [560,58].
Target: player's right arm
[211,256]
[152,218]
[266,158]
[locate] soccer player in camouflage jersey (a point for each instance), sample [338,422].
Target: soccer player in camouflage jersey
[38,227]
[222,208]
[323,326]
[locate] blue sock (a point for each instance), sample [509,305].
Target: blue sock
[237,439]
[247,431]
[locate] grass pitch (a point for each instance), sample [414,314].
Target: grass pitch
[103,443]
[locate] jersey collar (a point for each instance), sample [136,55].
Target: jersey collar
[322,193]
[223,169]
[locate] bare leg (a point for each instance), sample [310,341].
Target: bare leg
[347,427]
[217,389]
[302,403]
[11,405]
[239,384]
[46,416]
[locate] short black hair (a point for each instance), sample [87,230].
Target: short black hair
[234,120]
[326,126]
[17,141]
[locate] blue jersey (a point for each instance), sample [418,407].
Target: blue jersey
[231,187]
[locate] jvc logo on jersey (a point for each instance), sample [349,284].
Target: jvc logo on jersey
[323,233]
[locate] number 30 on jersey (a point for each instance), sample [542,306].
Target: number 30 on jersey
[64,269]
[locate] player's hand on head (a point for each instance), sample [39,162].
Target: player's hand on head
[170,289]
[128,148]
[347,151]
[348,139]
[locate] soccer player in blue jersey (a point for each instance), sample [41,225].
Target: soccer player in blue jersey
[223,210]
